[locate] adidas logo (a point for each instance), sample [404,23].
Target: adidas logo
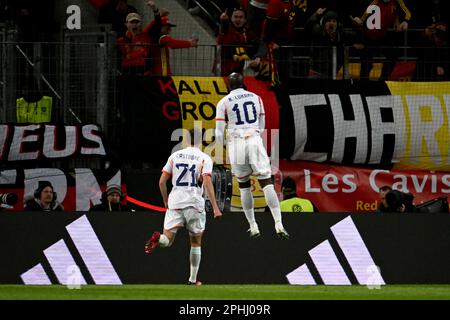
[61,260]
[353,254]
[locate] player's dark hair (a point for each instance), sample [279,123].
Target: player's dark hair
[385,188]
[240,9]
[235,81]
[41,186]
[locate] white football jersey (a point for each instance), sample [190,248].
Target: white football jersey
[242,110]
[186,167]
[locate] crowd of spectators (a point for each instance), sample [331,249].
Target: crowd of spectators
[325,25]
[260,35]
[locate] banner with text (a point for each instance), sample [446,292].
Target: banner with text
[49,142]
[342,188]
[367,123]
[154,108]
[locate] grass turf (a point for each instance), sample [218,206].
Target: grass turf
[220,292]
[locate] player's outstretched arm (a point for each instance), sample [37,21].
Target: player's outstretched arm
[163,187]
[207,183]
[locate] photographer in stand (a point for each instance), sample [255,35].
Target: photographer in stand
[399,202]
[44,199]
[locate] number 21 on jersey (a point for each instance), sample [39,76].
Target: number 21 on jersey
[181,182]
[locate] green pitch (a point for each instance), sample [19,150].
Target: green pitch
[219,292]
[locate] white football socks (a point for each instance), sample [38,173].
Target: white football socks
[273,203]
[164,241]
[247,205]
[195,257]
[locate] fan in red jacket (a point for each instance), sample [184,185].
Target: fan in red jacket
[238,43]
[160,54]
[134,47]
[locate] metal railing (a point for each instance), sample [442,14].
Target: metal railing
[80,72]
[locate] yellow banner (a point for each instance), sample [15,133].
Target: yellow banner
[198,99]
[426,110]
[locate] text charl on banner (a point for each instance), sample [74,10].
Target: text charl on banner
[335,188]
[352,123]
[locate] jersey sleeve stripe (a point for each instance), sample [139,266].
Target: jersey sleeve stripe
[166,172]
[260,104]
[201,167]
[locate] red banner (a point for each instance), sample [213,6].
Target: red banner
[340,188]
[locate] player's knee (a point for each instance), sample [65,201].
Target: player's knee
[196,241]
[265,182]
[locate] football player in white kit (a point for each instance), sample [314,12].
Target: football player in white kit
[244,112]
[190,170]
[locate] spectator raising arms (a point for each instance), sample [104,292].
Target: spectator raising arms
[238,43]
[134,47]
[326,33]
[160,54]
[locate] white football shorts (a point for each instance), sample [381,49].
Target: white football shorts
[189,217]
[248,157]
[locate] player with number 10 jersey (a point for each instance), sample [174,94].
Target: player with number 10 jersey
[242,112]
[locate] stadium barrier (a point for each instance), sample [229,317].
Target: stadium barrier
[331,249]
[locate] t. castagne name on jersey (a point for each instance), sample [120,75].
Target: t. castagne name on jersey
[188,156]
